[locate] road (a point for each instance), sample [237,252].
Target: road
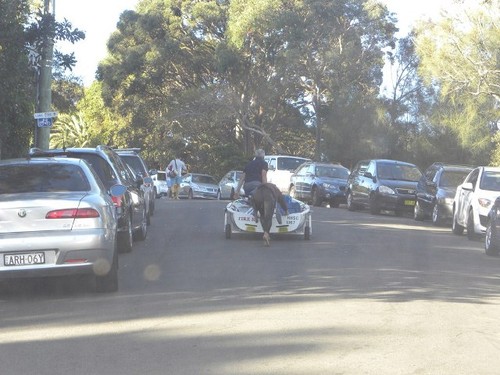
[366,295]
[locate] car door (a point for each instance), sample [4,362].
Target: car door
[299,181]
[464,195]
[426,188]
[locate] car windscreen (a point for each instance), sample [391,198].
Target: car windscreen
[452,178]
[490,181]
[204,180]
[135,163]
[333,172]
[401,172]
[34,178]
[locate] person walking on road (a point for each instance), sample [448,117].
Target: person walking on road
[174,170]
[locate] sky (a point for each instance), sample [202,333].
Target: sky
[98,18]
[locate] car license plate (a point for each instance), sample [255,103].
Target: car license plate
[409,202]
[26,259]
[282,230]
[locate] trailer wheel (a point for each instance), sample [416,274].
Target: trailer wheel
[228,231]
[307,233]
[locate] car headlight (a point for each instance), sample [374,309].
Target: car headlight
[386,190]
[484,202]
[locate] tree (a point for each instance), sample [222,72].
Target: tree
[16,89]
[459,56]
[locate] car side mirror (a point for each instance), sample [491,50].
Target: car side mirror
[369,175]
[468,186]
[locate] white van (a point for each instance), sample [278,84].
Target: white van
[281,167]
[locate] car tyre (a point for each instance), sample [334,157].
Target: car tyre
[108,283]
[491,240]
[315,199]
[418,213]
[228,231]
[437,216]
[350,202]
[455,227]
[374,207]
[142,232]
[471,234]
[126,238]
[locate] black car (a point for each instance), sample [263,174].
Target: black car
[134,160]
[131,206]
[436,191]
[382,184]
[319,182]
[492,237]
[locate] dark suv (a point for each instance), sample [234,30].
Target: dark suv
[436,191]
[131,207]
[319,182]
[134,160]
[382,184]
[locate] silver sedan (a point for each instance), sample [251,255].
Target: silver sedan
[57,219]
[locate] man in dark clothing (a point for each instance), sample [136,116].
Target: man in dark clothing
[254,174]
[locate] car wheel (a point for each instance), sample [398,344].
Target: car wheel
[108,283]
[455,227]
[142,232]
[315,199]
[350,202]
[437,217]
[418,214]
[126,238]
[471,234]
[491,240]
[374,207]
[190,194]
[334,203]
[227,231]
[293,192]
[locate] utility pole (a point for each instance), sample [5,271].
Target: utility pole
[42,135]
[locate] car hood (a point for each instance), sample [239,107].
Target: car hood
[333,181]
[399,184]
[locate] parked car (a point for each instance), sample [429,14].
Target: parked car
[160,181]
[57,219]
[132,158]
[228,185]
[281,168]
[492,237]
[436,191]
[319,182]
[131,206]
[382,184]
[198,185]
[474,199]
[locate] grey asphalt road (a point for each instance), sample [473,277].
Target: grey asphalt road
[366,295]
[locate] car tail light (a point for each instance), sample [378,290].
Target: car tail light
[73,213]
[117,201]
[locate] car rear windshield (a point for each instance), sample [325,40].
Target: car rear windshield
[42,178]
[289,164]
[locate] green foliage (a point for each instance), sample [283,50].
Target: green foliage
[16,85]
[70,131]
